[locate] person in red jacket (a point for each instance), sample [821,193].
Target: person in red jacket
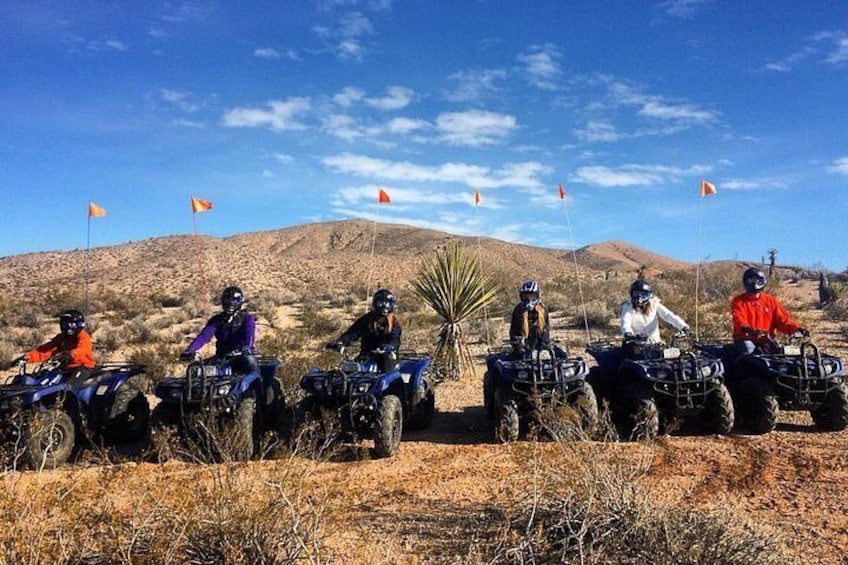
[71,347]
[757,315]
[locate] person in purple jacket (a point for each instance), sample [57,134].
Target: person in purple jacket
[234,331]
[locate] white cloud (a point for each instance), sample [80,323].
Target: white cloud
[684,8]
[267,174]
[787,63]
[635,175]
[280,115]
[686,112]
[541,64]
[840,166]
[348,96]
[474,85]
[283,158]
[343,126]
[350,49]
[355,24]
[840,53]
[597,130]
[396,97]
[188,124]
[106,45]
[267,53]
[474,127]
[406,125]
[181,99]
[751,184]
[522,175]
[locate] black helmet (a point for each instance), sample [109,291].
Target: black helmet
[754,280]
[232,299]
[530,293]
[641,292]
[71,322]
[384,301]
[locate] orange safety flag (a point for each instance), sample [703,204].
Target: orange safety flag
[707,188]
[95,211]
[561,191]
[383,197]
[200,205]
[476,197]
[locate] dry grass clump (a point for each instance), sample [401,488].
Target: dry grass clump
[128,515]
[589,504]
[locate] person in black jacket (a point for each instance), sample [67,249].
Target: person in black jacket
[378,331]
[530,326]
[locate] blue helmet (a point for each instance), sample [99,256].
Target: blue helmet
[530,293]
[232,299]
[641,292]
[754,280]
[384,302]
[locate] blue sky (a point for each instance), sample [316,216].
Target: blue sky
[284,113]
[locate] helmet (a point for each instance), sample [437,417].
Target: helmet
[232,299]
[71,322]
[641,292]
[530,293]
[754,280]
[383,302]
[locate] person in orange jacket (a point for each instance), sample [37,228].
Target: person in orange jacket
[71,347]
[757,315]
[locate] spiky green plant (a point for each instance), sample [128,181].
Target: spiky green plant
[454,285]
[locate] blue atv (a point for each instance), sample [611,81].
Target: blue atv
[222,412]
[648,384]
[526,383]
[42,412]
[792,376]
[366,403]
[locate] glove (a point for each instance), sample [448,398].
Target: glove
[388,348]
[190,356]
[802,332]
[334,345]
[628,336]
[63,357]
[685,331]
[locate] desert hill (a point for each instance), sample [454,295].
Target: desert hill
[297,258]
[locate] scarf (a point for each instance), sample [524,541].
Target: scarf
[540,320]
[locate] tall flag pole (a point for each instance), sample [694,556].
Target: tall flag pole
[707,189]
[562,194]
[199,205]
[477,201]
[94,211]
[382,198]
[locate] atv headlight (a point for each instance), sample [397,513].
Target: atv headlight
[176,394]
[829,369]
[568,372]
[523,375]
[222,390]
[706,371]
[101,390]
[363,387]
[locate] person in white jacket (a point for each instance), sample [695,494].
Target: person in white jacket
[640,316]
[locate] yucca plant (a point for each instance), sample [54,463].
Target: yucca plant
[453,284]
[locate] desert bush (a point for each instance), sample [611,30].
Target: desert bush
[598,315]
[601,511]
[136,332]
[159,360]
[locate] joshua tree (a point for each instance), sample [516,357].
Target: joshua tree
[772,254]
[454,286]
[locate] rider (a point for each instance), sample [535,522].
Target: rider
[757,315]
[379,330]
[234,330]
[71,347]
[530,326]
[639,315]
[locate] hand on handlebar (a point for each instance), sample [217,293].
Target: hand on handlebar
[801,332]
[190,356]
[335,346]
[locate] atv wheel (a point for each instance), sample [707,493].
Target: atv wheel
[49,437]
[638,417]
[388,427]
[242,432]
[425,410]
[717,414]
[274,408]
[832,415]
[758,408]
[507,427]
[129,418]
[587,406]
[489,395]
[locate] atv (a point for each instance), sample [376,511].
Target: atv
[222,412]
[522,384]
[366,403]
[791,376]
[648,384]
[46,414]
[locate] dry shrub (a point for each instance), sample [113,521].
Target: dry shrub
[590,504]
[159,360]
[219,516]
